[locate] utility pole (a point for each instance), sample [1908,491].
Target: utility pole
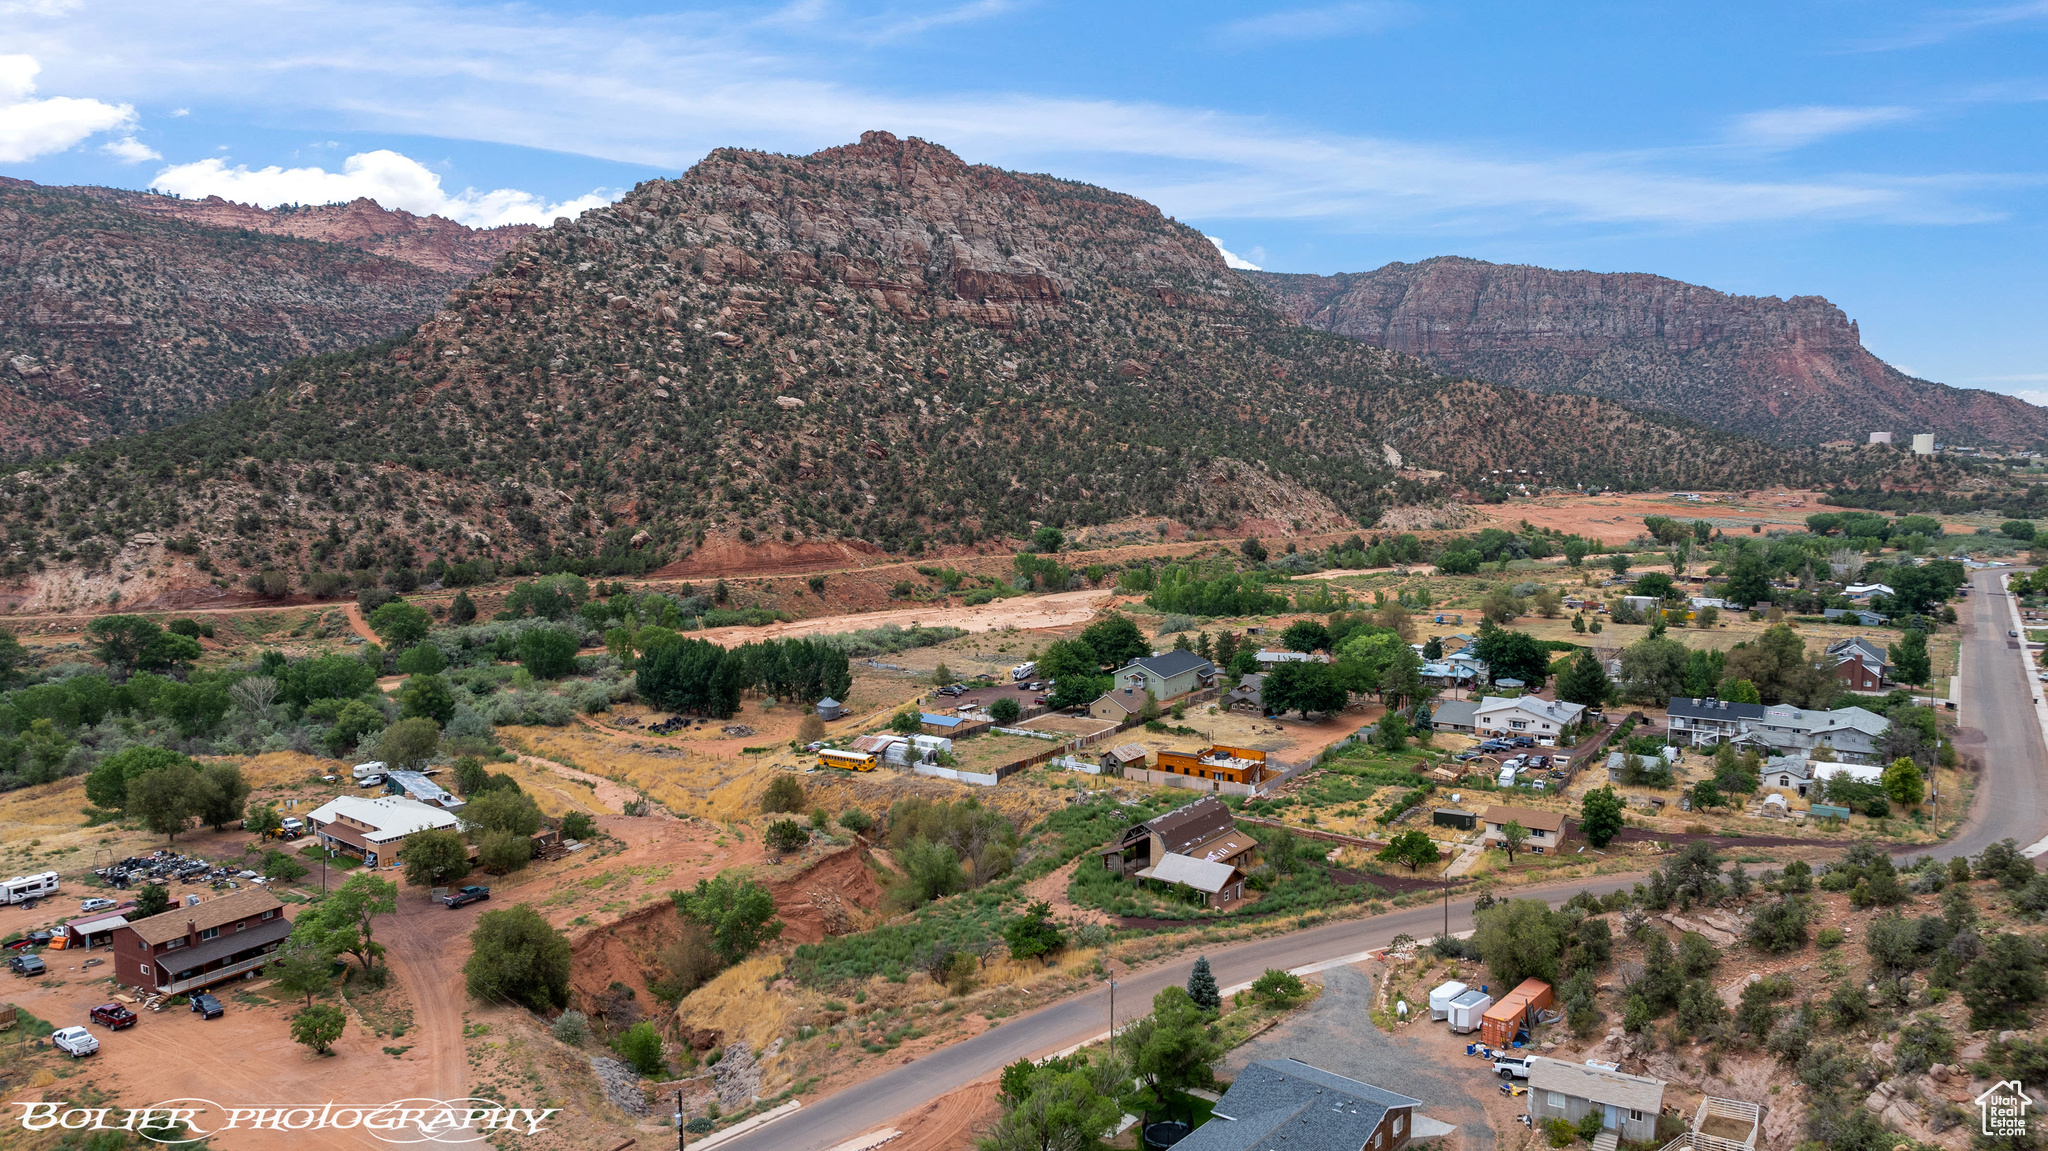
[682,1136]
[1110,966]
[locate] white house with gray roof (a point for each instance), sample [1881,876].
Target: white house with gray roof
[1627,1104]
[1540,719]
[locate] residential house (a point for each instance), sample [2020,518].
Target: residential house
[1267,659]
[1866,590]
[1545,829]
[373,829]
[934,723]
[1791,773]
[1862,616]
[1220,884]
[1700,602]
[1617,762]
[1643,603]
[1459,715]
[1449,673]
[1203,830]
[1228,764]
[1248,695]
[1703,722]
[1117,705]
[1287,1103]
[189,948]
[1859,663]
[1627,1104]
[1166,675]
[1527,715]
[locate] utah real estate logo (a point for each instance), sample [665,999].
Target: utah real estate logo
[2004,1108]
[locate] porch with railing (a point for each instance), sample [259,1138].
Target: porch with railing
[215,975]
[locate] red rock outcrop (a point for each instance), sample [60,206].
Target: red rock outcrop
[1789,370]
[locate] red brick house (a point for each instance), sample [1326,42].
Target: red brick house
[189,948]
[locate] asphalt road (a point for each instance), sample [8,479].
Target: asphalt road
[2009,803]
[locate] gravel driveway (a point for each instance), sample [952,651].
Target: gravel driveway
[1336,1034]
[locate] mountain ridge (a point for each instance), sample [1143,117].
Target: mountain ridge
[1786,370]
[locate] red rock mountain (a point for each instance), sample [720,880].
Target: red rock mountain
[434,242]
[1794,371]
[116,316]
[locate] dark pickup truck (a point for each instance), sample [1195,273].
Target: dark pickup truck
[466,895]
[113,1016]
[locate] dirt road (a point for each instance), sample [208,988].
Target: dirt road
[426,948]
[1060,609]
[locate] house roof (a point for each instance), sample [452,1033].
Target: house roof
[1126,705]
[1168,664]
[1528,817]
[1710,708]
[1458,711]
[96,924]
[1287,1103]
[876,743]
[187,958]
[208,913]
[1555,710]
[1221,846]
[940,720]
[1200,874]
[423,789]
[389,817]
[1128,753]
[1189,824]
[1635,1092]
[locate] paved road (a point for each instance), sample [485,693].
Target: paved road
[2010,802]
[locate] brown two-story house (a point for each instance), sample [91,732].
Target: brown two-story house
[187,949]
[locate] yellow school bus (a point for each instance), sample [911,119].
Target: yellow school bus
[847,760]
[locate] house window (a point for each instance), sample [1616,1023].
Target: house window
[271,914]
[146,972]
[174,944]
[1377,1138]
[1635,1116]
[1400,1124]
[1556,1099]
[241,925]
[209,933]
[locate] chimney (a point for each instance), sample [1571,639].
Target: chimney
[191,933]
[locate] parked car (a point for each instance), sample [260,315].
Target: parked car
[467,895]
[207,1007]
[1040,700]
[1511,1066]
[1522,741]
[76,1042]
[92,905]
[113,1016]
[27,965]
[2012,634]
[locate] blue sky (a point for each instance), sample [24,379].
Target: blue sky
[1889,156]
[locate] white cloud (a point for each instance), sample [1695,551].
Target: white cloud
[661,91]
[130,150]
[1232,258]
[1948,25]
[31,128]
[391,179]
[1791,127]
[1350,19]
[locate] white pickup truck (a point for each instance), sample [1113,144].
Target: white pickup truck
[1511,1066]
[75,1041]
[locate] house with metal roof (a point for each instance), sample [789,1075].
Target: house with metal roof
[1628,1105]
[1458,715]
[1167,674]
[1122,758]
[1196,829]
[1221,884]
[415,785]
[1285,1103]
[1541,719]
[1705,721]
[370,829]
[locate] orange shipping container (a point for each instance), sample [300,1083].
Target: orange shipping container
[1515,1011]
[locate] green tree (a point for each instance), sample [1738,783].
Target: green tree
[518,956]
[1512,836]
[131,643]
[1910,661]
[434,857]
[224,797]
[408,744]
[1903,783]
[1048,539]
[1276,988]
[107,786]
[348,915]
[1057,1108]
[1391,732]
[1034,934]
[1501,605]
[427,697]
[1005,710]
[906,722]
[1521,938]
[318,1025]
[639,1046]
[503,852]
[462,609]
[422,659]
[1174,1048]
[1583,680]
[299,968]
[400,625]
[785,836]
[150,901]
[1512,655]
[739,914]
[1600,816]
[1411,847]
[1654,668]
[504,809]
[1306,635]
[2002,987]
[785,793]
[1304,686]
[548,652]
[265,820]
[282,867]
[167,801]
[355,720]
[1740,691]
[1115,641]
[1202,986]
[1253,550]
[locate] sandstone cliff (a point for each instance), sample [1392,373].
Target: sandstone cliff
[1792,370]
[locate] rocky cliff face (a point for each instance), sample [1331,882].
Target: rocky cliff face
[875,342]
[1794,371]
[113,320]
[433,242]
